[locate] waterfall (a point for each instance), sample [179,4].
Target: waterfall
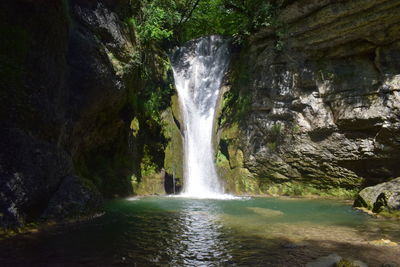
[199,67]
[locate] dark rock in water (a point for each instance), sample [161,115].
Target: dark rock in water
[381,197]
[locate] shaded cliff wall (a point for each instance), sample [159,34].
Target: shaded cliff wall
[75,87]
[314,101]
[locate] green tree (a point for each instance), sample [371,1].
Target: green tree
[159,20]
[228,17]
[155,20]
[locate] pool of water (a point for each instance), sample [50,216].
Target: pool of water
[170,231]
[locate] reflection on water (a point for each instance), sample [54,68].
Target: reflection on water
[193,232]
[200,239]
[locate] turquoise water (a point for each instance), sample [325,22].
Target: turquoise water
[168,231]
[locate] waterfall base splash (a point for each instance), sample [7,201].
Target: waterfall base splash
[210,196]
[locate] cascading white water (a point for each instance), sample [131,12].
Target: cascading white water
[199,68]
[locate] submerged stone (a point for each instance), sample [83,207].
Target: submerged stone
[266,212]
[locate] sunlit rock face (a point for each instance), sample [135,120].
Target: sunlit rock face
[324,96]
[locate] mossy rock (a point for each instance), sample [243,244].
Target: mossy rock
[382,198]
[173,161]
[230,163]
[237,179]
[152,184]
[302,189]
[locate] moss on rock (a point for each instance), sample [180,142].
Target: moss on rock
[382,199]
[150,184]
[173,162]
[230,164]
[299,189]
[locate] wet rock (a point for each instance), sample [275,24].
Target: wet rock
[381,197]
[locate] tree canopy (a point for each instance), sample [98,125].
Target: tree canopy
[183,20]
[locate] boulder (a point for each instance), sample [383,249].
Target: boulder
[381,197]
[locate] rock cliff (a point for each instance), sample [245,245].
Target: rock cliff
[314,101]
[312,105]
[72,97]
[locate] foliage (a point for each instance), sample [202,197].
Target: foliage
[276,128]
[155,99]
[135,127]
[158,20]
[153,103]
[235,107]
[229,17]
[147,165]
[221,158]
[272,146]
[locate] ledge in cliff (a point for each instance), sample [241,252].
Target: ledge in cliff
[318,97]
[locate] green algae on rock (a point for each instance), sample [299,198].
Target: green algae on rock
[325,105]
[383,199]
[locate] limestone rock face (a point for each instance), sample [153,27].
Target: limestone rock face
[63,97]
[321,95]
[384,196]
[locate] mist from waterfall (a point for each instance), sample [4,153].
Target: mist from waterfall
[199,67]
